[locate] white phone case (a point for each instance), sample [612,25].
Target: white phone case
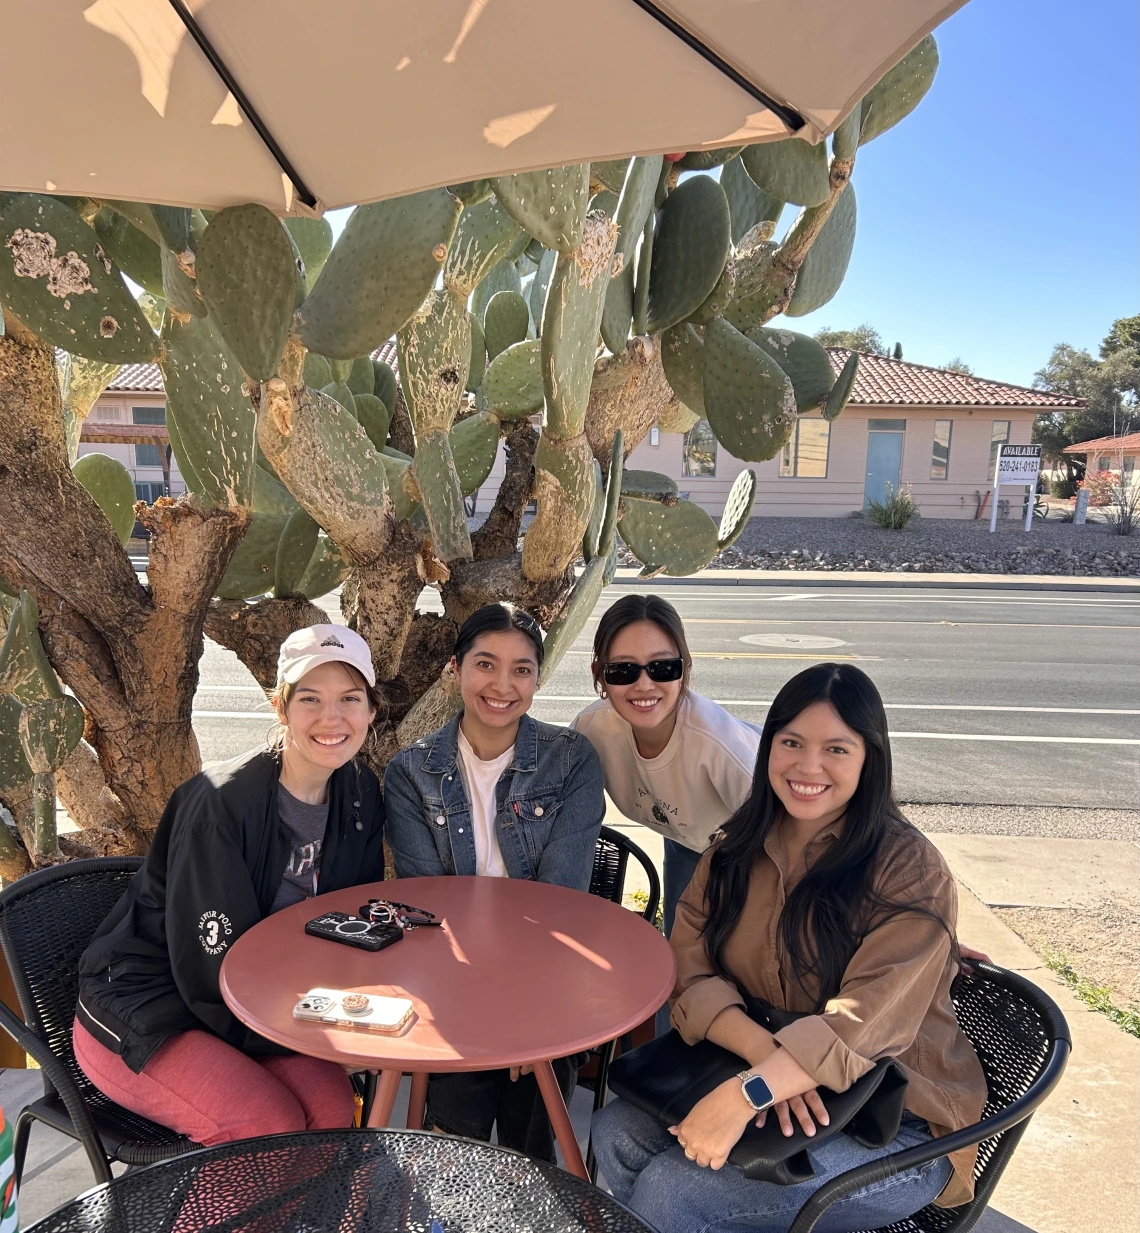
[383,1014]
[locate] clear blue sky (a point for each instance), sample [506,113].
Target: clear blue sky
[1000,217]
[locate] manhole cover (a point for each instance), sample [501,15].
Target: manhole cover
[803,642]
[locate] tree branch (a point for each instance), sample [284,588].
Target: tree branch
[499,534]
[255,632]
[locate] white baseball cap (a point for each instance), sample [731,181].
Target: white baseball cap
[308,648]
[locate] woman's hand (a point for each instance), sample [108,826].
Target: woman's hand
[516,1071]
[714,1125]
[804,1108]
[969,955]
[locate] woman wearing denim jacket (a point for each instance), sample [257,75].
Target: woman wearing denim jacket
[494,793]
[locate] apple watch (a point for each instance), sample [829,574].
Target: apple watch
[756,1091]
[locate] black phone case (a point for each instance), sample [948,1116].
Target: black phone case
[377,937]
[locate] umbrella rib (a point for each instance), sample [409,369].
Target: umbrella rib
[220,67]
[790,117]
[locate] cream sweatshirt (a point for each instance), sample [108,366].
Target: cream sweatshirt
[694,785]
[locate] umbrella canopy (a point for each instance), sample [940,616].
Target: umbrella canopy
[305,105]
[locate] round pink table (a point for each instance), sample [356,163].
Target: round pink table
[520,973]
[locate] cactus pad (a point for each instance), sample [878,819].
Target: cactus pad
[789,170]
[805,363]
[564,631]
[313,238]
[691,243]
[135,253]
[362,376]
[474,444]
[677,418]
[607,534]
[373,417]
[339,392]
[673,539]
[749,401]
[649,486]
[385,384]
[14,768]
[247,277]
[24,668]
[49,730]
[501,277]
[682,358]
[737,509]
[378,273]
[215,422]
[512,385]
[317,372]
[57,278]
[549,205]
[478,365]
[435,357]
[295,549]
[617,311]
[484,234]
[747,204]
[900,90]
[173,223]
[840,392]
[251,568]
[845,139]
[326,570]
[826,263]
[442,498]
[610,174]
[540,284]
[505,322]
[112,489]
[178,289]
[270,496]
[719,298]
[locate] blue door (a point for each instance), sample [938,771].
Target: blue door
[884,457]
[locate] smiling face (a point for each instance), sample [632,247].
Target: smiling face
[327,718]
[497,680]
[815,764]
[645,704]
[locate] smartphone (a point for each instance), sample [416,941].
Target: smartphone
[346,1008]
[353,931]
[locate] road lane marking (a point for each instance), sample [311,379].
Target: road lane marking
[1079,602]
[933,624]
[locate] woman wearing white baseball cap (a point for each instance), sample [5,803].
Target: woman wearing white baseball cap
[237,842]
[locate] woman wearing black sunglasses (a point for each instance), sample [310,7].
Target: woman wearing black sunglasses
[673,760]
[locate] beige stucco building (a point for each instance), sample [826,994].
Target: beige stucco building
[931,429]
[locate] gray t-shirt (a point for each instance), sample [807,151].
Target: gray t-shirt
[307,824]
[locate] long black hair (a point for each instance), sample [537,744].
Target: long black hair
[835,904]
[497,619]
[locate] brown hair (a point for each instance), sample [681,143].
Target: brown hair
[284,692]
[628,610]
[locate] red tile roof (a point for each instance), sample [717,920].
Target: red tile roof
[1100,445]
[881,381]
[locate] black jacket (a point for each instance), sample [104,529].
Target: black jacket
[213,869]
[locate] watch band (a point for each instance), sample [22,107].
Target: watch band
[756,1091]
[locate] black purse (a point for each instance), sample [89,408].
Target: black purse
[666,1077]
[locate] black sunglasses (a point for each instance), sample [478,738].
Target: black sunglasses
[659,670]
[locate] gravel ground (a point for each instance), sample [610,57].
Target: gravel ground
[1048,822]
[933,545]
[1102,944]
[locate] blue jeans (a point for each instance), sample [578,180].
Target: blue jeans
[648,1171]
[680,865]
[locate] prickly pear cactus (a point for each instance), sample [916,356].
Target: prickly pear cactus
[563,311]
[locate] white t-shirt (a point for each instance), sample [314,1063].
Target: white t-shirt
[694,785]
[480,778]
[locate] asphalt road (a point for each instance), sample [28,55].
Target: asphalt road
[1013,698]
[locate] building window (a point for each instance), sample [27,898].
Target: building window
[147,491]
[1104,463]
[805,455]
[698,455]
[999,436]
[940,456]
[886,425]
[148,455]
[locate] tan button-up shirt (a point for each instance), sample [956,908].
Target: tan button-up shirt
[894,1000]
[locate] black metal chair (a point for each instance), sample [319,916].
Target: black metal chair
[47,918]
[1023,1043]
[611,859]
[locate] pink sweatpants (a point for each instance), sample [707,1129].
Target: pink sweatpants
[201,1087]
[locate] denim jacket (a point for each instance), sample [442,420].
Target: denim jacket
[549,800]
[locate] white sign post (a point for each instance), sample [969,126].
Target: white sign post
[1017,465]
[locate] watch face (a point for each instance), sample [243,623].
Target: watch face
[758,1092]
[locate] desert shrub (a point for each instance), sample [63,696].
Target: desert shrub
[895,510]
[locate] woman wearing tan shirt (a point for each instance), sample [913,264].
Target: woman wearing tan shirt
[819,898]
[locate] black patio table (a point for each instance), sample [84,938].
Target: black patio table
[347,1181]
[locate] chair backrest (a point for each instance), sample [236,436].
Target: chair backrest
[611,858]
[1017,1032]
[47,918]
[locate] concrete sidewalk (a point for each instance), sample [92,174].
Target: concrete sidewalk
[885,578]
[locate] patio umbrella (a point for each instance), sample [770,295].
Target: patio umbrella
[314,104]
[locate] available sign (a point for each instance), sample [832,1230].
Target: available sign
[1018,465]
